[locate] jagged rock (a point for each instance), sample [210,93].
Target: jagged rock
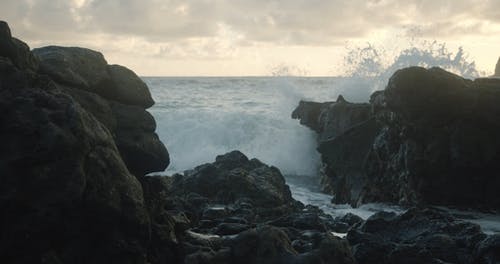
[308,114]
[430,138]
[345,135]
[17,51]
[331,119]
[417,236]
[344,161]
[88,70]
[236,177]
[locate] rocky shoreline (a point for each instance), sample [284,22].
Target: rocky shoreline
[78,143]
[430,138]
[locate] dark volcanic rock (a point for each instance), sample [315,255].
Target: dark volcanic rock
[127,87]
[344,158]
[308,113]
[133,130]
[417,236]
[265,244]
[116,96]
[331,119]
[345,134]
[17,51]
[439,143]
[66,195]
[65,191]
[139,145]
[429,137]
[268,244]
[88,70]
[231,177]
[488,250]
[73,66]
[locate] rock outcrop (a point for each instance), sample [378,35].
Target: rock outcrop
[430,138]
[116,96]
[66,194]
[345,135]
[331,119]
[439,144]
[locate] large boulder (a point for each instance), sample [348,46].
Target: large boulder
[236,177]
[88,70]
[116,96]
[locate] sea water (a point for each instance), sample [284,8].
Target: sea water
[199,118]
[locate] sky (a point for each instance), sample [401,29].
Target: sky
[253,37]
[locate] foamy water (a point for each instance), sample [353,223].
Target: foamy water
[200,118]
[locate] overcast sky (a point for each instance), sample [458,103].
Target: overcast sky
[252,37]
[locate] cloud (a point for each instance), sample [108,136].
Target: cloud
[289,22]
[209,29]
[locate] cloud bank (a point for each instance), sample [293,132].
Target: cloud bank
[211,29]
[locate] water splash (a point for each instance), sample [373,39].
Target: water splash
[377,64]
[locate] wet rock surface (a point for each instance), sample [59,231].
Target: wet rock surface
[429,138]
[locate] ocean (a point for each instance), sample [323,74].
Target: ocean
[199,118]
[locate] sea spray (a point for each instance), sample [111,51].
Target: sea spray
[200,118]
